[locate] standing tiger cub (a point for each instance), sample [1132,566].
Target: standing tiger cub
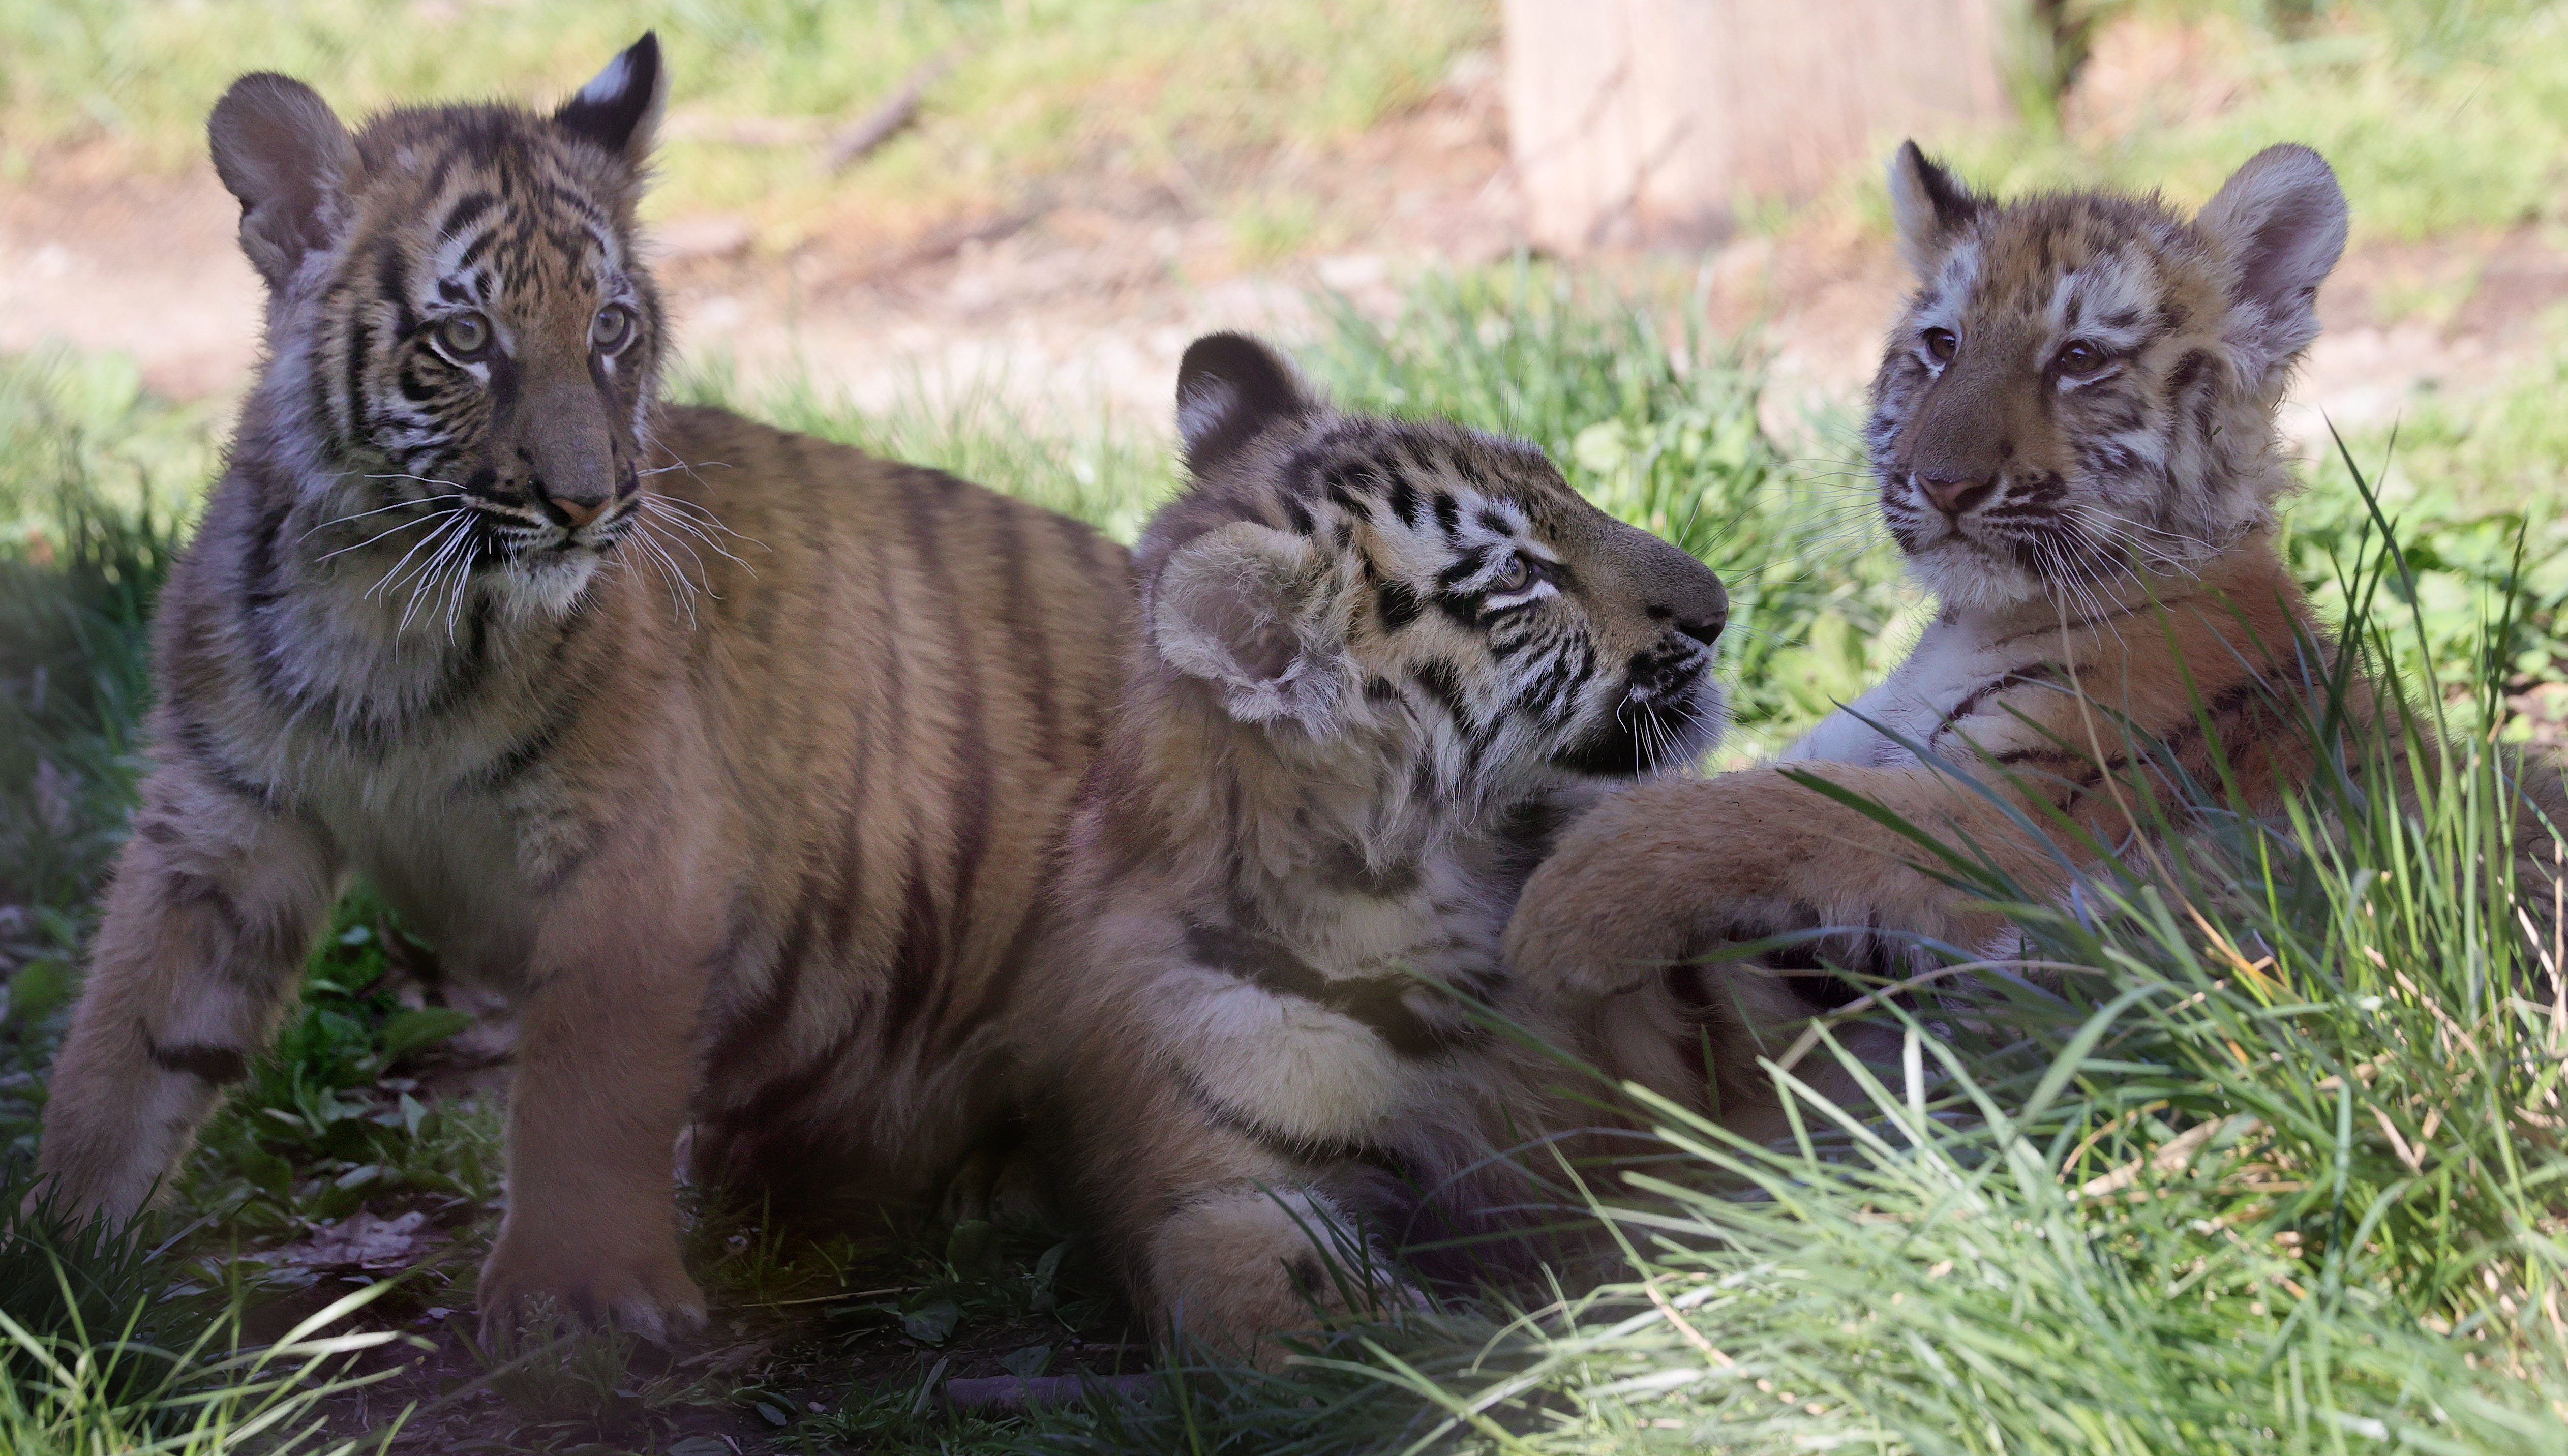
[1379,663]
[754,832]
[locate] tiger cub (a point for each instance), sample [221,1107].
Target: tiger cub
[2074,435]
[1379,663]
[738,757]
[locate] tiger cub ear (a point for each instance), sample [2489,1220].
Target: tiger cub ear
[1247,609]
[620,107]
[2280,220]
[1929,207]
[1230,387]
[280,149]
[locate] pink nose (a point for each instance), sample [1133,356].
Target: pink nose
[1953,496]
[574,511]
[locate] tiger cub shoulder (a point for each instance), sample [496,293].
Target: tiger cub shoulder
[1379,662]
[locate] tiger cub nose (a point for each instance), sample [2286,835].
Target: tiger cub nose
[571,510]
[1953,497]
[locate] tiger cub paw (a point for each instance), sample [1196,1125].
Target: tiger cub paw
[1595,920]
[641,1290]
[1238,1268]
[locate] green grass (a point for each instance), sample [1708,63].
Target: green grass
[2364,1248]
[2439,116]
[1179,94]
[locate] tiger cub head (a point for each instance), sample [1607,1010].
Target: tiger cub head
[1436,600]
[2082,389]
[459,318]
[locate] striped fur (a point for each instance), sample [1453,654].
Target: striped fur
[1382,662]
[736,756]
[2073,438]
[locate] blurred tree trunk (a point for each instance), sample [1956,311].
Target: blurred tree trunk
[1653,121]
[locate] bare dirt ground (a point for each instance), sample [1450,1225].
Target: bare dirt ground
[1086,295]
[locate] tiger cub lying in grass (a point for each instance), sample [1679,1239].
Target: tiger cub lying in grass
[753,826]
[1380,662]
[2073,436]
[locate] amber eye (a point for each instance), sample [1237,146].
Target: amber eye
[2080,356]
[611,329]
[464,337]
[1942,344]
[1515,576]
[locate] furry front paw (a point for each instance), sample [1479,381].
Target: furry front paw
[1598,918]
[644,1292]
[1236,1270]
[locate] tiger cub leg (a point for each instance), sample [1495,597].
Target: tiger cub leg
[215,902]
[1224,1237]
[605,1067]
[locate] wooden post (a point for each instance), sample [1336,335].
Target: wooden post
[1652,121]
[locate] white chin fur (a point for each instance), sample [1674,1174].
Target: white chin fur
[545,586]
[1967,575]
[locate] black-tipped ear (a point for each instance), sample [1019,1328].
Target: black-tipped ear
[1230,387]
[619,109]
[1929,206]
[280,149]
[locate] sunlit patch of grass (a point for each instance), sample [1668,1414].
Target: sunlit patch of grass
[1095,468]
[95,1389]
[1024,90]
[2438,116]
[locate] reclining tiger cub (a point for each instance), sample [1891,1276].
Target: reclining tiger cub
[1379,663]
[2073,436]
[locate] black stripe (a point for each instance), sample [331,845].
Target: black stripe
[1398,604]
[1448,513]
[1375,1002]
[1471,565]
[215,1065]
[1284,1145]
[361,341]
[468,209]
[197,743]
[391,280]
[914,970]
[968,796]
[764,1020]
[473,253]
[1404,498]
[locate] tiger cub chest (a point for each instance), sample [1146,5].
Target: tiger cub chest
[1344,1024]
[1958,691]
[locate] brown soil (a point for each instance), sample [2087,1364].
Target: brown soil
[1088,292]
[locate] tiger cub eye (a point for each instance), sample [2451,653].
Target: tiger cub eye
[1515,576]
[611,329]
[1942,344]
[464,337]
[2080,356]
